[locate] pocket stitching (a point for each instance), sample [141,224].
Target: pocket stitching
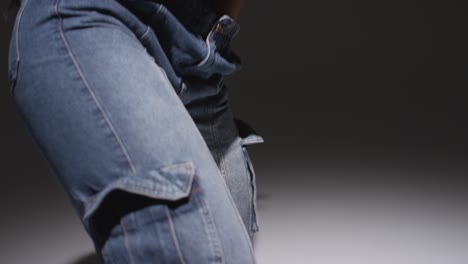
[154,185]
[173,235]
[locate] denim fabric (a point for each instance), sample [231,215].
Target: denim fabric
[126,101]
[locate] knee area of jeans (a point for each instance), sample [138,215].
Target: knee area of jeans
[164,187]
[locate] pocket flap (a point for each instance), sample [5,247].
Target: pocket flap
[247,134]
[171,182]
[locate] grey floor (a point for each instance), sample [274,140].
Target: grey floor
[328,214]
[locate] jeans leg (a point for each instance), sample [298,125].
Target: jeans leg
[196,43]
[207,101]
[120,141]
[226,138]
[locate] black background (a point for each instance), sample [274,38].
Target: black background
[355,85]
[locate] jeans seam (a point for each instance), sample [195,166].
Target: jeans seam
[173,235]
[251,170]
[20,17]
[91,93]
[15,35]
[233,204]
[127,248]
[251,207]
[211,229]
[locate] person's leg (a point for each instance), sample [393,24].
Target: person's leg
[117,136]
[207,101]
[228,138]
[193,42]
[206,98]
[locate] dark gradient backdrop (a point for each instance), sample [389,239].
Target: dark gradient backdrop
[363,108]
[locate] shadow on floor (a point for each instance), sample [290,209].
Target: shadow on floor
[90,258]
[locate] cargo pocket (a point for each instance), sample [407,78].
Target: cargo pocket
[169,183]
[160,215]
[249,136]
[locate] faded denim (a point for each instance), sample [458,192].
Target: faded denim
[126,101]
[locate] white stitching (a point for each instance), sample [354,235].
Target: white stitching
[126,243]
[146,32]
[210,228]
[20,16]
[90,90]
[173,235]
[207,56]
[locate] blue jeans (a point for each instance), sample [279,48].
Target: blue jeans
[126,101]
